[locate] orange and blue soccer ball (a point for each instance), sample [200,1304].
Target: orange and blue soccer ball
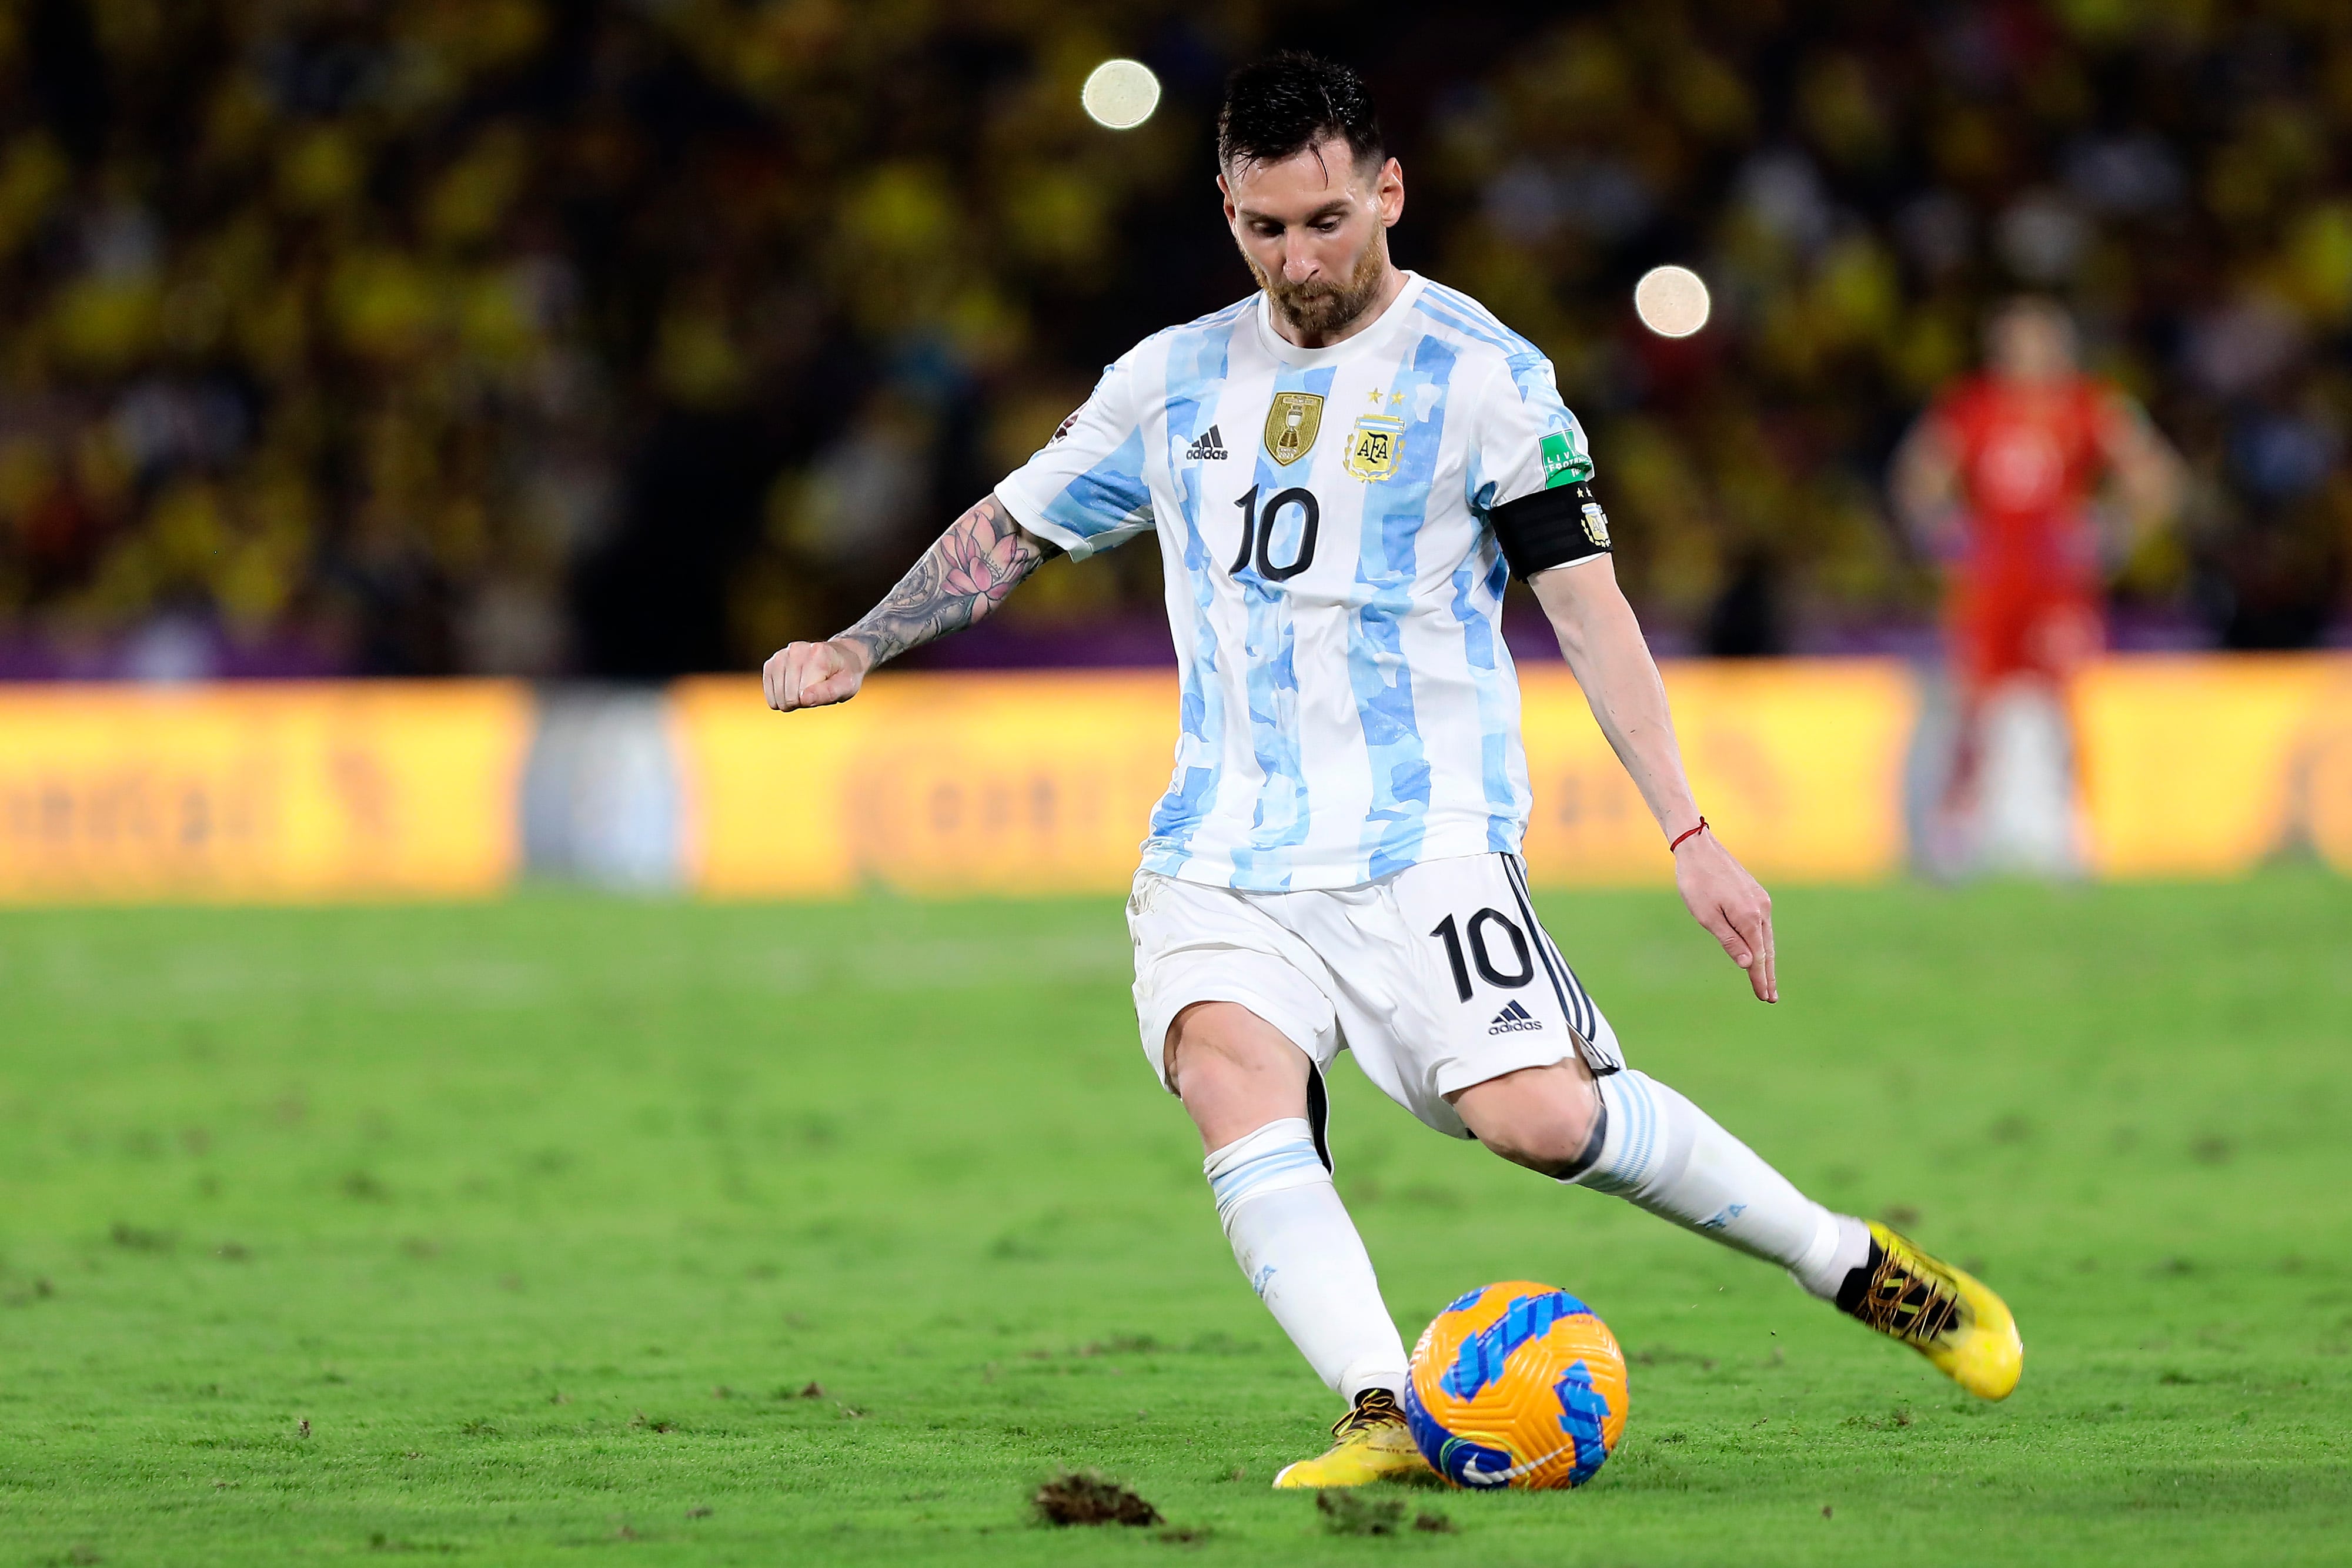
[1517,1385]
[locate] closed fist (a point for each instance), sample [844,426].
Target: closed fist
[812,674]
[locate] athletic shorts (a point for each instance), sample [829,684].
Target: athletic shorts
[2000,631]
[1436,977]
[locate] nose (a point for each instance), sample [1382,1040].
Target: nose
[1297,264]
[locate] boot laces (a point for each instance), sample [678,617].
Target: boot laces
[1909,1303]
[1375,1407]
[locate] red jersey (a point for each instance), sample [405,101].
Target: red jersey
[2025,593]
[2030,457]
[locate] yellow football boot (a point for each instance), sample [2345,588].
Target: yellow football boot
[1372,1444]
[1945,1313]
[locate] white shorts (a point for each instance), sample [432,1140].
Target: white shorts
[1437,977]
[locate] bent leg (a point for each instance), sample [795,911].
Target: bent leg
[1245,1083]
[1547,1119]
[1629,1134]
[1233,1070]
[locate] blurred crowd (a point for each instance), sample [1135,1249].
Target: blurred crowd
[635,337]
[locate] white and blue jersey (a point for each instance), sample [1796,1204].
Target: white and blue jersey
[1328,521]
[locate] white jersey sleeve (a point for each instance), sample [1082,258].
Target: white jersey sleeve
[1084,489]
[1530,470]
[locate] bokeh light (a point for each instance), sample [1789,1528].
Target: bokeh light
[1120,94]
[1671,301]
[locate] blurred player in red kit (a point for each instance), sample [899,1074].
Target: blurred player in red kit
[1998,479]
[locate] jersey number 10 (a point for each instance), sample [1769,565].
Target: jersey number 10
[1521,971]
[1257,533]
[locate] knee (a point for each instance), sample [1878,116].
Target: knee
[1233,1070]
[1541,1117]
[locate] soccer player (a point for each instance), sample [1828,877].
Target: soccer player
[1996,479]
[1343,470]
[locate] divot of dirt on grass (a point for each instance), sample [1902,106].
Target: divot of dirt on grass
[1345,1513]
[1089,1497]
[378,1541]
[1353,1513]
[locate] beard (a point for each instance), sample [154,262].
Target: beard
[1319,307]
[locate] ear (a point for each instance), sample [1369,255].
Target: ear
[1388,192]
[1226,193]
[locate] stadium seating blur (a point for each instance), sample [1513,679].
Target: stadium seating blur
[631,339]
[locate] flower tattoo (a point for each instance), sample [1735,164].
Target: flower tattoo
[967,573]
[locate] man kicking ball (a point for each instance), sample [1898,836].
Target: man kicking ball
[1344,471]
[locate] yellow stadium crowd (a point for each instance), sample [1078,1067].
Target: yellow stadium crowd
[624,338]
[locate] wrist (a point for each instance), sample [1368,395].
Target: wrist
[1676,841]
[861,653]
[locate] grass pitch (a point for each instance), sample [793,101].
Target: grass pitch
[566,1229]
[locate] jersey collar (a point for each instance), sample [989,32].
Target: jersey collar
[1371,336]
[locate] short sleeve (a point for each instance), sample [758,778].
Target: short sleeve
[1946,418]
[2116,413]
[1084,490]
[1531,472]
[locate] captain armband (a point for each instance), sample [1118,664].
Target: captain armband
[1550,527]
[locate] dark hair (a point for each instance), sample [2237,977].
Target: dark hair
[1278,106]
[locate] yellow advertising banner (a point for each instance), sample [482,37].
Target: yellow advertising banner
[979,783]
[1044,783]
[292,791]
[1797,764]
[926,783]
[2206,766]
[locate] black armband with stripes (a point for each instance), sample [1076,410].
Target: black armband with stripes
[1550,527]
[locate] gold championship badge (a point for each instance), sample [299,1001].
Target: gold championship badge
[1373,448]
[1292,425]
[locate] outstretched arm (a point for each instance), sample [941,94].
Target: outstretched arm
[1604,648]
[966,573]
[2148,470]
[1925,483]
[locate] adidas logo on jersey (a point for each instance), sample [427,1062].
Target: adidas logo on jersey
[1513,1020]
[1209,448]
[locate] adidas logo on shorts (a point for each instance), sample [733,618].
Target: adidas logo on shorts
[1513,1020]
[1209,448]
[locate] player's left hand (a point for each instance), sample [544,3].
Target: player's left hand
[1731,904]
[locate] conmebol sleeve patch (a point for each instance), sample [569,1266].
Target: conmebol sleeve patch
[1560,463]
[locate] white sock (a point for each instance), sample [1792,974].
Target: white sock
[1667,1157]
[1300,1253]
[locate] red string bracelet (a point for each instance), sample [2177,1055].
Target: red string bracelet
[1688,833]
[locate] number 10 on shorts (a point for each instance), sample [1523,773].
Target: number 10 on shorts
[1477,936]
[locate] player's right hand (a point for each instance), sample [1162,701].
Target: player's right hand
[812,674]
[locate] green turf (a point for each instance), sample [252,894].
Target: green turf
[542,1214]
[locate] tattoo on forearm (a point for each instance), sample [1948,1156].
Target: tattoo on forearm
[965,574]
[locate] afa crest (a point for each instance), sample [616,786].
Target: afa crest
[1292,425]
[1596,521]
[1373,448]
